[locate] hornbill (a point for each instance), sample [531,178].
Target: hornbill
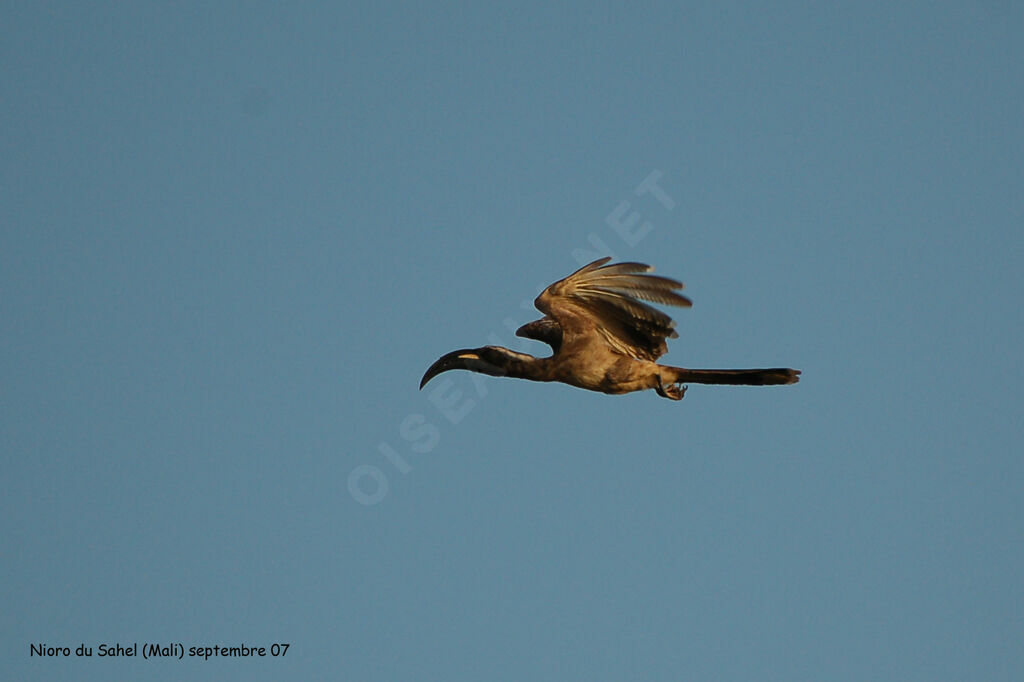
[605,338]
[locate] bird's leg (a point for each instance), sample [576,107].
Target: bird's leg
[670,391]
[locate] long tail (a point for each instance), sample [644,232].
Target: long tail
[737,377]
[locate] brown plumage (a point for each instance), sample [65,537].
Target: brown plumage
[605,338]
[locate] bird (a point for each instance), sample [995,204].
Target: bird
[605,338]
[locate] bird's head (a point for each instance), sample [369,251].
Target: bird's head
[492,360]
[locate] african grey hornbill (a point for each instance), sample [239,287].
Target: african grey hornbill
[604,338]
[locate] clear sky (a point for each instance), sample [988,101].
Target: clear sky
[234,235]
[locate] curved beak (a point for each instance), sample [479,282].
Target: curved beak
[457,359]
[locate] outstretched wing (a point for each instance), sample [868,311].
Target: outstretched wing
[607,300]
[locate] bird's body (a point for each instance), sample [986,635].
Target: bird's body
[604,338]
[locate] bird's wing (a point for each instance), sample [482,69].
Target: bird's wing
[545,330]
[606,300]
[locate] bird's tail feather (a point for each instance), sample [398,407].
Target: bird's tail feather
[737,377]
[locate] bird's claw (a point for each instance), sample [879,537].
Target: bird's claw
[675,391]
[670,391]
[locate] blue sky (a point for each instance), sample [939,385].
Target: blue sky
[235,235]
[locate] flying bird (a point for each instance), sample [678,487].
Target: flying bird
[605,338]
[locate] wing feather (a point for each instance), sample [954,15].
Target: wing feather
[610,298]
[545,330]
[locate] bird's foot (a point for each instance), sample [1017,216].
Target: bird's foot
[675,391]
[670,391]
